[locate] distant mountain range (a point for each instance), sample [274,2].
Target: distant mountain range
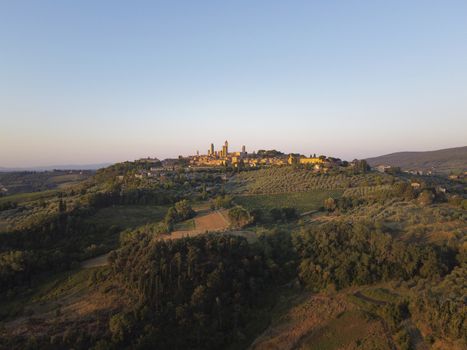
[59,167]
[441,161]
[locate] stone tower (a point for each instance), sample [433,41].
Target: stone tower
[225,149]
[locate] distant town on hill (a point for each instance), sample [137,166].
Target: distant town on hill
[204,247]
[444,161]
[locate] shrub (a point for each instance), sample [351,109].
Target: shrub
[180,212]
[276,214]
[119,326]
[222,202]
[184,210]
[289,213]
[330,204]
[8,205]
[239,216]
[257,215]
[426,197]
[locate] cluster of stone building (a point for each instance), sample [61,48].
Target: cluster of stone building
[219,158]
[160,169]
[223,157]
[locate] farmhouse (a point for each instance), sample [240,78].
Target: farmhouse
[295,159]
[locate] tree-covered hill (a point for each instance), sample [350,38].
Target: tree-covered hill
[442,161]
[375,260]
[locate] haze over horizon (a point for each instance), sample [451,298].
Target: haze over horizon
[105,163]
[88,82]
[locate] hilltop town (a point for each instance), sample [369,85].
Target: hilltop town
[238,159]
[131,253]
[224,157]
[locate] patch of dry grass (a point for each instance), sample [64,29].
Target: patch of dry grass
[299,321]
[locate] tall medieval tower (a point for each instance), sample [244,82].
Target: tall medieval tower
[225,149]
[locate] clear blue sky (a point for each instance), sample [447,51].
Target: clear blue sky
[97,81]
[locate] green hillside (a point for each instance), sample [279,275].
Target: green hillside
[120,261]
[440,161]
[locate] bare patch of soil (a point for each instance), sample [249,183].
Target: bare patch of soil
[214,221]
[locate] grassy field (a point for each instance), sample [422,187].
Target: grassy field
[28,197]
[55,302]
[302,201]
[46,288]
[69,281]
[128,216]
[212,221]
[67,180]
[185,225]
[349,330]
[294,323]
[438,223]
[27,181]
[328,322]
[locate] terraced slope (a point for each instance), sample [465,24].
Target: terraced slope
[289,180]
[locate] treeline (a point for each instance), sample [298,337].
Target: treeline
[181,211]
[241,217]
[35,181]
[202,292]
[109,173]
[344,254]
[59,240]
[339,254]
[52,245]
[193,293]
[196,293]
[274,215]
[441,304]
[403,191]
[446,317]
[8,205]
[117,196]
[48,231]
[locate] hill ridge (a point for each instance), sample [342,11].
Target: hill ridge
[442,161]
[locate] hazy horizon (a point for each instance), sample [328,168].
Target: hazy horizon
[88,82]
[105,163]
